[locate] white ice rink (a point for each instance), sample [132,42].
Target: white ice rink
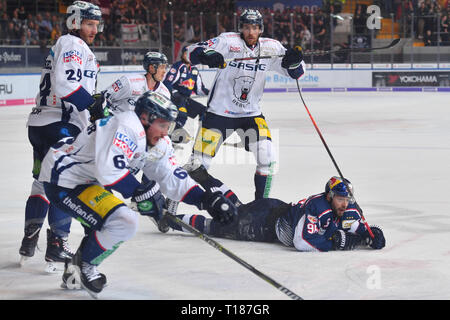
[394,147]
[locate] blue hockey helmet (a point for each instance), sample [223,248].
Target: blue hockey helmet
[251,16]
[336,187]
[156,106]
[154,59]
[80,10]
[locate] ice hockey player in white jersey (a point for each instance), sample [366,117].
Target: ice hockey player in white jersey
[80,176]
[122,94]
[233,101]
[64,105]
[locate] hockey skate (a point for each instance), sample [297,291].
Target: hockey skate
[57,252]
[29,242]
[82,275]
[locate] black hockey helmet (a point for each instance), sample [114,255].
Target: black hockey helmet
[154,59]
[335,186]
[251,16]
[156,106]
[80,10]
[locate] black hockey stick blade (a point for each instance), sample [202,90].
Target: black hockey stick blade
[231,255]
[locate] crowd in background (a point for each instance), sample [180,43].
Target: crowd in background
[21,27]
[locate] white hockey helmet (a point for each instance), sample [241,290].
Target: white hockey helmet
[81,10]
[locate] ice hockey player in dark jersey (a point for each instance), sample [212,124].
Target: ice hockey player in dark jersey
[183,80]
[323,222]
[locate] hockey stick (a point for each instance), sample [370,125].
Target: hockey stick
[231,255]
[320,52]
[334,162]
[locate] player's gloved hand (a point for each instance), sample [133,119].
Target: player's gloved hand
[345,240]
[98,109]
[292,58]
[149,200]
[212,59]
[378,241]
[219,207]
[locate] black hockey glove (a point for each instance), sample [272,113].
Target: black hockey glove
[345,240]
[292,58]
[149,200]
[219,207]
[212,59]
[98,109]
[378,241]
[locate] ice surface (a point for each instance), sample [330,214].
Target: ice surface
[394,147]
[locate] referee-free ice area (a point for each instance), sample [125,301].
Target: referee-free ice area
[393,146]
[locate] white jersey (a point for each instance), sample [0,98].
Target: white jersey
[159,164]
[101,153]
[70,65]
[124,92]
[238,88]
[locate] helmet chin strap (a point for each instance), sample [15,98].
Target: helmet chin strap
[152,74]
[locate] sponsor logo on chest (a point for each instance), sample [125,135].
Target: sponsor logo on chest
[125,144]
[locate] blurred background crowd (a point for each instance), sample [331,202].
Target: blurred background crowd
[162,23]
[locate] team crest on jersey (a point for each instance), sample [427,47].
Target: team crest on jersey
[125,144]
[73,55]
[242,87]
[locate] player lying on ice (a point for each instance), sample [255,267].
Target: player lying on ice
[80,174]
[323,222]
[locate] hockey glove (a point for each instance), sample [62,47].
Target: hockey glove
[292,58]
[98,109]
[378,241]
[219,207]
[149,200]
[212,59]
[345,240]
